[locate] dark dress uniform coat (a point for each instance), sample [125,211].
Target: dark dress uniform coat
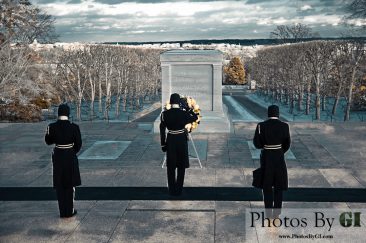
[66,172]
[177,147]
[267,133]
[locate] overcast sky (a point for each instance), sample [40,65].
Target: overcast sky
[148,20]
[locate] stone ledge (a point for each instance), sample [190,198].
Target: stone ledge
[300,194]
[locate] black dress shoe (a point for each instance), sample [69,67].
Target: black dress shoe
[74,213]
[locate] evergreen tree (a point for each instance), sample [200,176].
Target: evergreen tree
[234,72]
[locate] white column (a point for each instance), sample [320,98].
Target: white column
[217,87]
[165,82]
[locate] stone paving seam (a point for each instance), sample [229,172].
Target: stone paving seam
[81,220]
[256,232]
[331,155]
[44,172]
[351,174]
[118,222]
[214,225]
[357,179]
[317,148]
[115,175]
[142,153]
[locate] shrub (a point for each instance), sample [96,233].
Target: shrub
[40,102]
[17,112]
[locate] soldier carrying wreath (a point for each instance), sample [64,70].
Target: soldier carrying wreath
[175,142]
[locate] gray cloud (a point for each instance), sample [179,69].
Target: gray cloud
[260,1]
[74,2]
[112,2]
[42,1]
[118,20]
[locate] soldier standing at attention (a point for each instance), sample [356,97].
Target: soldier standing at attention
[273,137]
[175,144]
[67,139]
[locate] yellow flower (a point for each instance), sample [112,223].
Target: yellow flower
[189,102]
[168,106]
[188,126]
[193,101]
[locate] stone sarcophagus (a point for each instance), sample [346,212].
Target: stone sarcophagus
[196,73]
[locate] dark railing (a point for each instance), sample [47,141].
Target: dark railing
[189,194]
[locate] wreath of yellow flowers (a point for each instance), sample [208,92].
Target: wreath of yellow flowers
[188,104]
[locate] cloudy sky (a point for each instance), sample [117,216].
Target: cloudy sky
[148,20]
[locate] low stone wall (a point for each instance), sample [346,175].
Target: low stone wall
[144,112]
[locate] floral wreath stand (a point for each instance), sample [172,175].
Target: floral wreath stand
[195,150]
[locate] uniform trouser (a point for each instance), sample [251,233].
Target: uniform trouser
[65,198]
[175,184]
[272,201]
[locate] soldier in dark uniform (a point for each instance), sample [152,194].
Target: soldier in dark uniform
[273,137]
[67,139]
[175,144]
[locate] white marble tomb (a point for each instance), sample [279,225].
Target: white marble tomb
[196,73]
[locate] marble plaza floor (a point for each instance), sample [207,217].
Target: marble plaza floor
[327,170]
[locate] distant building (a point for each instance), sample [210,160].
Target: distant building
[252,84]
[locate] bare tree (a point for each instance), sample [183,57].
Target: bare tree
[318,55]
[22,22]
[292,33]
[91,71]
[357,9]
[74,75]
[109,58]
[339,72]
[301,76]
[122,74]
[355,53]
[21,77]
[318,68]
[123,68]
[14,63]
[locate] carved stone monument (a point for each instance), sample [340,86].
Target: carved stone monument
[196,73]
